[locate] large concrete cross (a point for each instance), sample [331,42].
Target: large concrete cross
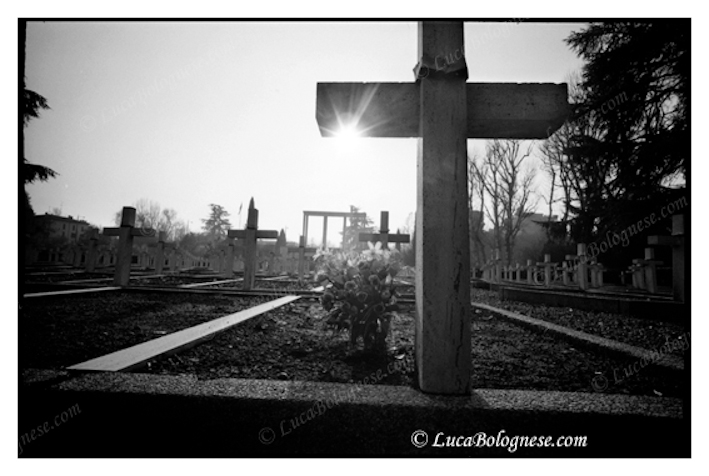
[442,111]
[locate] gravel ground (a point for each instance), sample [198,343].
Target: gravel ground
[650,335]
[292,343]
[61,331]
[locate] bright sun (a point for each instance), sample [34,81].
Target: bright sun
[348,132]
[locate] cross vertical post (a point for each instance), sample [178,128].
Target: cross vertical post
[91,256]
[384,237]
[676,241]
[344,229]
[530,271]
[160,252]
[280,252]
[582,266]
[250,247]
[250,235]
[125,247]
[324,233]
[384,229]
[301,258]
[442,249]
[678,258]
[229,265]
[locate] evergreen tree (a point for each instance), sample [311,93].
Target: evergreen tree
[217,225]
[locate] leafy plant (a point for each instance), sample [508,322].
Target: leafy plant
[360,295]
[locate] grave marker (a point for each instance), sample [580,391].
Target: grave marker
[581,265]
[548,266]
[250,236]
[597,270]
[443,112]
[301,257]
[125,235]
[281,253]
[531,269]
[92,254]
[384,237]
[160,253]
[676,241]
[497,267]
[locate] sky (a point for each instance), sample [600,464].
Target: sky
[191,113]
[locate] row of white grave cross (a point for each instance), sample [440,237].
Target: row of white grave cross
[282,260]
[644,271]
[576,269]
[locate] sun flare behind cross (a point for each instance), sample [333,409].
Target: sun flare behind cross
[348,132]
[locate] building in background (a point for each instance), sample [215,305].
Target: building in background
[55,226]
[51,236]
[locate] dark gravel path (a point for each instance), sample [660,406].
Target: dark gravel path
[650,335]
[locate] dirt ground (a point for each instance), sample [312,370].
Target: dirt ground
[293,343]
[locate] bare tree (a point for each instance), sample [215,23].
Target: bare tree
[586,185]
[476,193]
[150,214]
[507,189]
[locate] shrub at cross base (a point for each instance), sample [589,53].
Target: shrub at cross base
[359,293]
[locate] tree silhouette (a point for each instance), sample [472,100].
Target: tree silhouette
[217,225]
[636,89]
[354,227]
[505,190]
[31,103]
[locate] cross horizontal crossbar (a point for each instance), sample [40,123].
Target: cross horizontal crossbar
[147,232]
[295,249]
[335,214]
[133,357]
[664,240]
[494,110]
[392,238]
[264,234]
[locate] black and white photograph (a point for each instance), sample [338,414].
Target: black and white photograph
[456,237]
